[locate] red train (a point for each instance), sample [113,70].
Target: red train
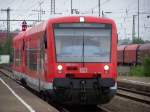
[133,54]
[72,60]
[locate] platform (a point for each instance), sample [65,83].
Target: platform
[133,79]
[16,98]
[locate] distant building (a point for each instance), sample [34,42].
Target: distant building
[4,59]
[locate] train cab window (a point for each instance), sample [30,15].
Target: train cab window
[83,42]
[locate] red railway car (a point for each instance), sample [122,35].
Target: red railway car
[72,60]
[130,54]
[120,53]
[143,51]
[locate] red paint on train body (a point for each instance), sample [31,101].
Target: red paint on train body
[62,53]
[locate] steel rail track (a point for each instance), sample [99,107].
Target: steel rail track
[84,109]
[135,98]
[135,91]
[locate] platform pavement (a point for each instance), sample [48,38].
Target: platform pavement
[10,99]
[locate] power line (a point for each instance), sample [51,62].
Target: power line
[20,20]
[71,7]
[40,11]
[138,18]
[133,28]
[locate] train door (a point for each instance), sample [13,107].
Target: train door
[40,63]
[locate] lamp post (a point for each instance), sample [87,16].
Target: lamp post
[71,7]
[99,8]
[138,18]
[133,28]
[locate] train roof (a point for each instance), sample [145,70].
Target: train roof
[19,36]
[37,28]
[77,19]
[42,26]
[144,46]
[132,47]
[121,47]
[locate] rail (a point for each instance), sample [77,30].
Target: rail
[131,94]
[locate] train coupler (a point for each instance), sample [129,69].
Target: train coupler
[83,96]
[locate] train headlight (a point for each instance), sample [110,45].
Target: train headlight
[106,67]
[59,67]
[82,19]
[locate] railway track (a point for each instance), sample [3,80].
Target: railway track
[84,109]
[131,94]
[135,91]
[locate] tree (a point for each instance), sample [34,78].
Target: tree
[7,47]
[1,49]
[146,66]
[124,41]
[138,41]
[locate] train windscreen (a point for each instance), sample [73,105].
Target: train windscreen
[83,42]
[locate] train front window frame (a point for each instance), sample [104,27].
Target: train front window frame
[102,33]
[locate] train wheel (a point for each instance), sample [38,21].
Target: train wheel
[42,95]
[48,99]
[23,81]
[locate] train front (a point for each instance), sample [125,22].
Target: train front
[85,60]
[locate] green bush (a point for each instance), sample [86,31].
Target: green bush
[138,41]
[141,70]
[136,71]
[146,66]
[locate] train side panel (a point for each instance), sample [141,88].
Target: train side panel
[81,82]
[120,54]
[143,51]
[130,54]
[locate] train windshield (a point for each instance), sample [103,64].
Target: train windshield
[83,42]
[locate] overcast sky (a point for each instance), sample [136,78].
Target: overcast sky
[122,12]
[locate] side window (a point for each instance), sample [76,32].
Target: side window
[117,38]
[45,40]
[27,54]
[33,54]
[31,58]
[23,46]
[17,54]
[13,56]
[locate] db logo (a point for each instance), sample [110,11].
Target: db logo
[83,70]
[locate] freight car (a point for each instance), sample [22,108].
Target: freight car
[71,60]
[143,51]
[133,54]
[120,53]
[130,54]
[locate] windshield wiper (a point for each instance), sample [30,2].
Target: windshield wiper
[83,50]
